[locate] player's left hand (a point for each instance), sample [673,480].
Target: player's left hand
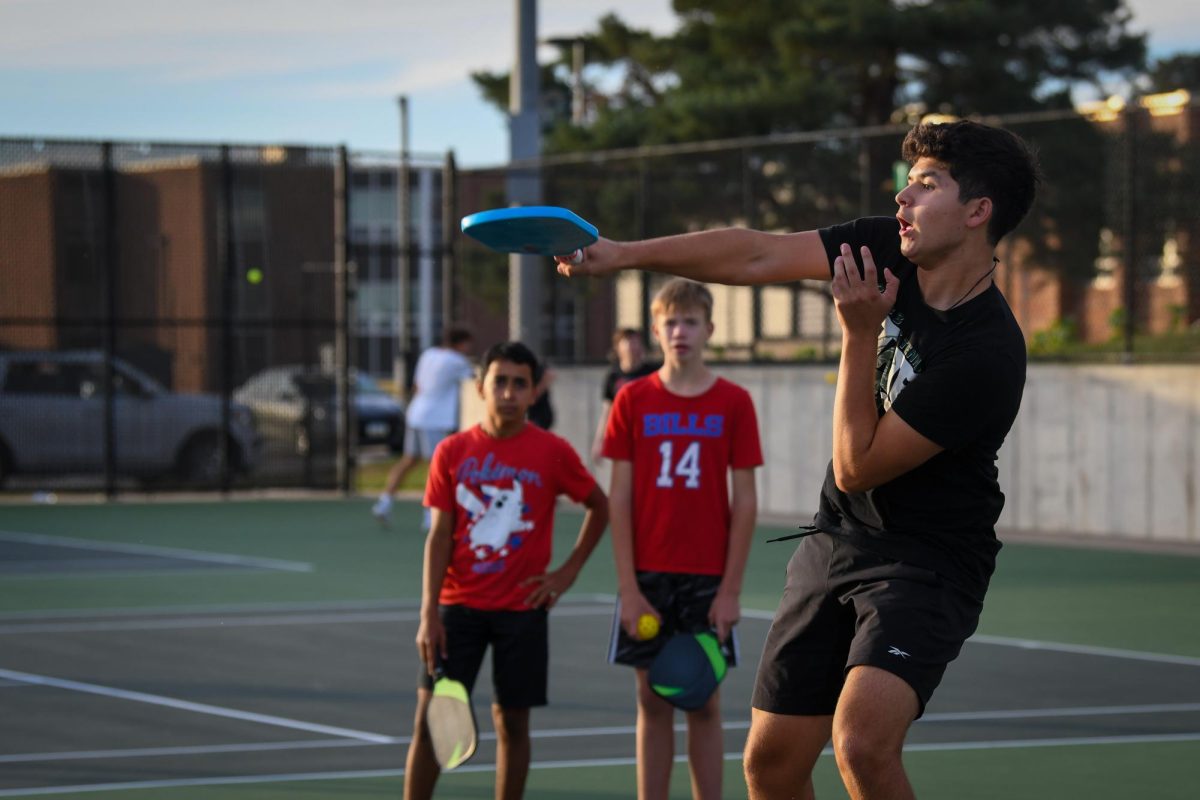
[861,307]
[723,614]
[548,588]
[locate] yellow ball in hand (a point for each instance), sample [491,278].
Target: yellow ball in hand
[647,627]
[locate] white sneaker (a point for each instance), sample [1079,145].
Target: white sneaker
[383,509]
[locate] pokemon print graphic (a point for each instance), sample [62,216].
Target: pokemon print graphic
[495,523]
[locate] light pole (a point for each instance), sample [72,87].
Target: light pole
[525,181]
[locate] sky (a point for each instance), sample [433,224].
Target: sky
[311,72]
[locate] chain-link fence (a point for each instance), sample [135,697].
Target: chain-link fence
[216,316]
[174,315]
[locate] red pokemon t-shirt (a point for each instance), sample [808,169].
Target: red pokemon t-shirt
[682,449]
[502,494]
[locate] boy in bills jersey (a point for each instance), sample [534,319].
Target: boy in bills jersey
[492,491]
[680,541]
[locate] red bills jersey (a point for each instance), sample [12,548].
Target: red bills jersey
[501,493]
[682,449]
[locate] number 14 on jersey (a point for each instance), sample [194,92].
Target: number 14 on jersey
[687,467]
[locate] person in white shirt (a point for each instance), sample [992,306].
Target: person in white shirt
[433,411]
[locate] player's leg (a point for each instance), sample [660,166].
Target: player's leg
[799,678]
[520,667]
[655,716]
[872,719]
[512,751]
[910,626]
[706,749]
[413,447]
[466,643]
[781,751]
[692,598]
[420,767]
[655,741]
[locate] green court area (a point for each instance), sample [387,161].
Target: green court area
[263,649]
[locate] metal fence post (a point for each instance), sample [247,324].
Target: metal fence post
[449,224]
[109,255]
[756,292]
[228,265]
[341,336]
[643,213]
[1129,286]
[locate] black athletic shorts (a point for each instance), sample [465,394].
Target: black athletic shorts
[844,607]
[682,600]
[520,642]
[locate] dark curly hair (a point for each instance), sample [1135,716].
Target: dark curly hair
[985,162]
[515,352]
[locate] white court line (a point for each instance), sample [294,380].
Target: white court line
[152,550]
[184,705]
[575,605]
[180,623]
[569,764]
[193,750]
[565,733]
[395,604]
[1087,650]
[1058,647]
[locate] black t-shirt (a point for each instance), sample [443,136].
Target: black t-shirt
[956,377]
[616,378]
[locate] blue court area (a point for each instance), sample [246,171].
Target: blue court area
[264,650]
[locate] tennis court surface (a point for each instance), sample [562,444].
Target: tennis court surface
[263,649]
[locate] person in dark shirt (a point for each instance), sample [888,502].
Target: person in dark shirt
[880,600]
[629,363]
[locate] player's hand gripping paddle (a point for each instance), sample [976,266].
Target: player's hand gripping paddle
[537,230]
[451,722]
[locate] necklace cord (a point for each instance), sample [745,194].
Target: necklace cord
[975,285]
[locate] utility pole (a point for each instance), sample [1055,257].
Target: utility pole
[525,182]
[400,368]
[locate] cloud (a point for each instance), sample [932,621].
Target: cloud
[226,39]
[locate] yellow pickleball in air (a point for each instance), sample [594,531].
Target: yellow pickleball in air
[647,627]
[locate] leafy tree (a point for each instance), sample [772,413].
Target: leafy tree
[754,67]
[737,68]
[1179,71]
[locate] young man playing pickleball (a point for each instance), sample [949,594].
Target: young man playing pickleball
[680,540]
[492,490]
[880,600]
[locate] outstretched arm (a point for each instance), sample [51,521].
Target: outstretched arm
[735,256]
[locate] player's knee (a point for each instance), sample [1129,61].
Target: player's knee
[859,752]
[652,706]
[765,758]
[512,725]
[709,713]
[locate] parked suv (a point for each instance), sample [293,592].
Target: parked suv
[295,408]
[52,420]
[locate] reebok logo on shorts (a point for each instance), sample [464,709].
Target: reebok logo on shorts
[896,651]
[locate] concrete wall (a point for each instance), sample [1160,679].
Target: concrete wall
[1106,451]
